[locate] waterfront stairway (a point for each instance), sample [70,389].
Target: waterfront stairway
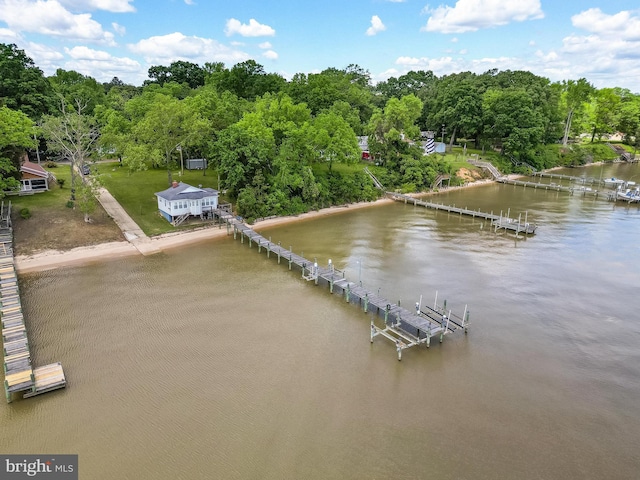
[19,374]
[405,328]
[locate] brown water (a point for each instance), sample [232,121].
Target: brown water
[215,362]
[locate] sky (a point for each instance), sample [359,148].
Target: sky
[556,39]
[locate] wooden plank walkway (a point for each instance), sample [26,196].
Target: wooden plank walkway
[406,328]
[497,221]
[19,374]
[609,195]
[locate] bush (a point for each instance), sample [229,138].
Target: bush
[51,164]
[25,213]
[70,204]
[61,182]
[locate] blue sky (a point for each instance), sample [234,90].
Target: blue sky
[557,39]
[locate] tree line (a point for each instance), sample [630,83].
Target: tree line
[286,146]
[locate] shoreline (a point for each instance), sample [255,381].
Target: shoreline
[53,259]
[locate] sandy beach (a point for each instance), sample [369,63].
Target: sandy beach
[52,259]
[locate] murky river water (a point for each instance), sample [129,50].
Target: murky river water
[215,362]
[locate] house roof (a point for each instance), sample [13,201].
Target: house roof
[33,169]
[184,191]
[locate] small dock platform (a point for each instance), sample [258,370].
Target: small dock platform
[406,328]
[19,374]
[497,221]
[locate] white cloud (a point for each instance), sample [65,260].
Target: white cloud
[115,6]
[253,29]
[49,17]
[621,25]
[100,65]
[8,36]
[270,54]
[472,15]
[464,51]
[189,2]
[454,40]
[265,45]
[376,26]
[532,43]
[119,29]
[177,46]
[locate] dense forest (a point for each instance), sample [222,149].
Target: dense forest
[285,146]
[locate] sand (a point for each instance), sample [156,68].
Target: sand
[52,259]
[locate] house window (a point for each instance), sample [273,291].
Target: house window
[38,184]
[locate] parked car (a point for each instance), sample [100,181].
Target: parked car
[86,170]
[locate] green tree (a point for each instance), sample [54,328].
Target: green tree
[180,72]
[246,80]
[335,139]
[74,87]
[603,112]
[167,124]
[23,86]
[512,122]
[629,120]
[392,130]
[575,94]
[16,135]
[73,135]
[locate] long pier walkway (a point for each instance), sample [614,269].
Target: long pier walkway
[609,195]
[572,178]
[406,328]
[19,373]
[497,221]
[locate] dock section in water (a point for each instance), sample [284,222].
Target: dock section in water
[497,221]
[19,374]
[406,328]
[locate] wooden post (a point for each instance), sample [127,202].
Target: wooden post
[386,314]
[235,231]
[366,302]
[278,253]
[290,255]
[347,292]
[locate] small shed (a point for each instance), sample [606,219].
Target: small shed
[33,178]
[182,200]
[196,163]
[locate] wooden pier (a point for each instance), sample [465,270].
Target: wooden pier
[19,374]
[571,178]
[497,221]
[406,328]
[609,195]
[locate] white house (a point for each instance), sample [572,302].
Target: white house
[181,200]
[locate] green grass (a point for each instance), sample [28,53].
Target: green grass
[55,197]
[135,192]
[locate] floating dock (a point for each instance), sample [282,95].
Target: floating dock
[497,221]
[406,328]
[19,374]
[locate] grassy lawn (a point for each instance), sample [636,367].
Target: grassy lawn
[135,192]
